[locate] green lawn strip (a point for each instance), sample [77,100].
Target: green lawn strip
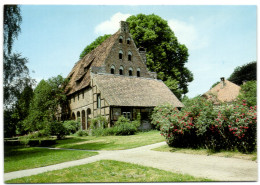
[111,142]
[229,154]
[107,171]
[20,158]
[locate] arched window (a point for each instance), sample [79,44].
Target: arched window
[73,117]
[129,56]
[138,72]
[128,40]
[120,54]
[120,39]
[112,69]
[130,71]
[121,70]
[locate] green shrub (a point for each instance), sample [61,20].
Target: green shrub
[71,126]
[137,122]
[82,133]
[99,121]
[123,126]
[57,128]
[248,93]
[160,113]
[104,131]
[200,124]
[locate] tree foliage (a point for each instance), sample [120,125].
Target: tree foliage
[48,96]
[242,73]
[12,22]
[165,55]
[248,93]
[21,109]
[93,45]
[16,78]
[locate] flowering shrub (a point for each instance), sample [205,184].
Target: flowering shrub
[200,124]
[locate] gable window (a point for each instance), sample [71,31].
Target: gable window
[129,56]
[130,71]
[120,54]
[138,72]
[120,39]
[128,40]
[112,69]
[121,70]
[98,101]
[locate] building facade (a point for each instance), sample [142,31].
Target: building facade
[113,80]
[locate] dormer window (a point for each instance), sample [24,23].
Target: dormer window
[129,56]
[112,69]
[120,39]
[128,40]
[130,71]
[121,70]
[120,54]
[138,72]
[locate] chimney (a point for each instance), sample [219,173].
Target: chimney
[143,54]
[222,82]
[124,27]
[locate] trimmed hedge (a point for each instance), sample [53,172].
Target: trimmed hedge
[202,125]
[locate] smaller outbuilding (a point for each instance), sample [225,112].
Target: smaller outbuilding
[224,91]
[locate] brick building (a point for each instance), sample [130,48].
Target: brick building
[113,80]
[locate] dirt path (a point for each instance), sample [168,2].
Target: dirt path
[212,167]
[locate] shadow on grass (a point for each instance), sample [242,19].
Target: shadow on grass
[21,153]
[92,146]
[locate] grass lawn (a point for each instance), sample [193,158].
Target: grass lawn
[234,154]
[107,171]
[20,158]
[111,142]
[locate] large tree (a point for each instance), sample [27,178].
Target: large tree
[93,45]
[48,97]
[165,55]
[12,22]
[16,73]
[242,73]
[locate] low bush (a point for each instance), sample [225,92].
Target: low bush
[99,121]
[56,128]
[200,124]
[82,133]
[71,126]
[122,127]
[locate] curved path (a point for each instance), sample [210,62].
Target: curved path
[212,167]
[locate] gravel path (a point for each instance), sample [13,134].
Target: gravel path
[212,167]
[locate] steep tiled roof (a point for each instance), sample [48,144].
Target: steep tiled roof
[121,90]
[224,93]
[80,74]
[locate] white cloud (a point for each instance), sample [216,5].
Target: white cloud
[188,34]
[112,25]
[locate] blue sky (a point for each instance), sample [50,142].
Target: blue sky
[219,37]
